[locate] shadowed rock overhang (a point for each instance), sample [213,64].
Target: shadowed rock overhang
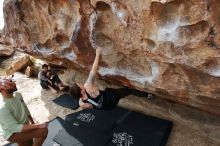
[166,47]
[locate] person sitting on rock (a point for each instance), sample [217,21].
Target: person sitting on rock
[48,80]
[16,122]
[90,96]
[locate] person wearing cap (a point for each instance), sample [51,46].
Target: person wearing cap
[16,122]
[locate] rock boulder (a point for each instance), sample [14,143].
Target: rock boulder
[166,47]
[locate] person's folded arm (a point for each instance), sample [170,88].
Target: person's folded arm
[41,76]
[28,127]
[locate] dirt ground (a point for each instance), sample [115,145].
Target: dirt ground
[191,127]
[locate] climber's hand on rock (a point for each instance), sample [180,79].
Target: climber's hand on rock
[98,50]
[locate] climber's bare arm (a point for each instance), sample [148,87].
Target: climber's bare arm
[92,74]
[89,85]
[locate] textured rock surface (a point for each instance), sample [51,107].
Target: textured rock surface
[19,64]
[6,49]
[167,47]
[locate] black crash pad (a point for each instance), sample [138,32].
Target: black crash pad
[74,134]
[100,119]
[129,129]
[67,134]
[125,126]
[141,130]
[67,101]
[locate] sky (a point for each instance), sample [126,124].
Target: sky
[1,15]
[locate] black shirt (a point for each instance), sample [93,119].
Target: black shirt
[105,100]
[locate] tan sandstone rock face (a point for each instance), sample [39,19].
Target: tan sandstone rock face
[6,49]
[19,64]
[167,47]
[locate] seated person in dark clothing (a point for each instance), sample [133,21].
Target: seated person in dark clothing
[91,97]
[49,81]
